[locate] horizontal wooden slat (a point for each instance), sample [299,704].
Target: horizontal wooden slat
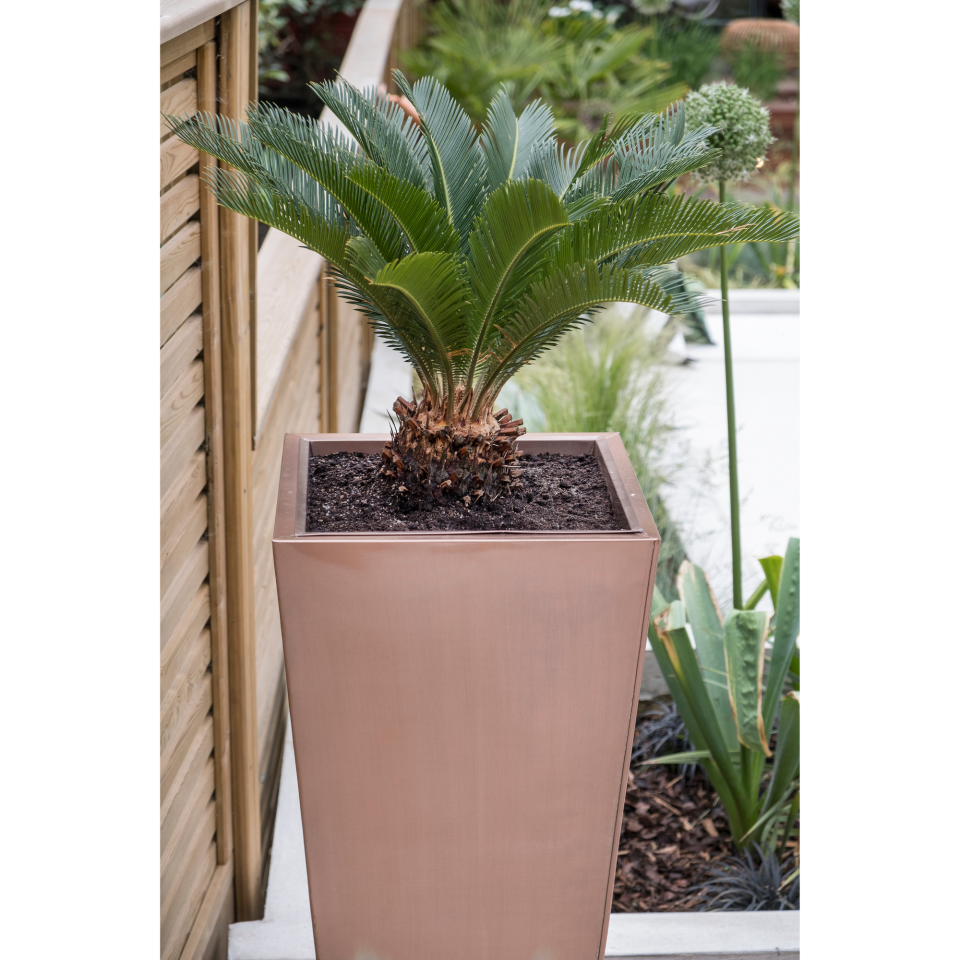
[286,289]
[177,101]
[175,456]
[179,747]
[179,302]
[178,205]
[176,157]
[177,598]
[178,253]
[179,66]
[174,49]
[216,913]
[173,855]
[178,913]
[182,544]
[186,634]
[193,794]
[176,505]
[180,399]
[177,353]
[200,747]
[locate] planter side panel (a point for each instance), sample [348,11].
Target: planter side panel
[461,711]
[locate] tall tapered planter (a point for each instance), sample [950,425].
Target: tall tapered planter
[462,707]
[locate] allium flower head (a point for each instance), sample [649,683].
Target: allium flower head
[743,129]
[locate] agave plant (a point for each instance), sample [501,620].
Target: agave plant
[729,690]
[472,252]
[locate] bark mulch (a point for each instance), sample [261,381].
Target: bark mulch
[673,831]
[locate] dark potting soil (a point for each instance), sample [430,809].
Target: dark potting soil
[346,493]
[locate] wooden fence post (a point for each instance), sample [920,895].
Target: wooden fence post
[236,334]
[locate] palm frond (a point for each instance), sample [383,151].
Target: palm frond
[423,223]
[505,250]
[457,162]
[435,297]
[385,133]
[510,142]
[561,302]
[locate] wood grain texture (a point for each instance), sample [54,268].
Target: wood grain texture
[178,205]
[178,646]
[174,70]
[182,745]
[184,804]
[180,910]
[179,302]
[216,515]
[192,759]
[180,841]
[176,157]
[176,599]
[184,693]
[175,456]
[215,915]
[178,100]
[235,236]
[287,276]
[178,253]
[184,41]
[178,352]
[180,546]
[180,399]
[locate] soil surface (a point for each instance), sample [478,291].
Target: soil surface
[345,493]
[673,831]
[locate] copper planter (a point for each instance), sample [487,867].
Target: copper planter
[462,708]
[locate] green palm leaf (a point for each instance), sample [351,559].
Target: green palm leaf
[504,250]
[385,134]
[434,298]
[558,304]
[510,142]
[457,162]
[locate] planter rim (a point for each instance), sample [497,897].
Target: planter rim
[624,489]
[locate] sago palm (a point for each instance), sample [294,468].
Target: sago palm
[472,252]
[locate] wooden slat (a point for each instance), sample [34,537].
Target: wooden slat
[216,523]
[179,302]
[179,66]
[184,905]
[174,49]
[178,253]
[182,446]
[176,600]
[181,839]
[185,690]
[175,506]
[188,630]
[179,749]
[176,157]
[182,807]
[178,205]
[235,236]
[216,913]
[181,545]
[177,101]
[198,749]
[180,399]
[177,353]
[192,795]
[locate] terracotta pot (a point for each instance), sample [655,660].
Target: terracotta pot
[463,707]
[769,35]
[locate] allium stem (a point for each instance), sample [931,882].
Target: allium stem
[731,423]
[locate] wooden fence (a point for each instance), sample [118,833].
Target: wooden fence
[252,345]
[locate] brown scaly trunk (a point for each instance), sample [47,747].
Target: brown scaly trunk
[467,459]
